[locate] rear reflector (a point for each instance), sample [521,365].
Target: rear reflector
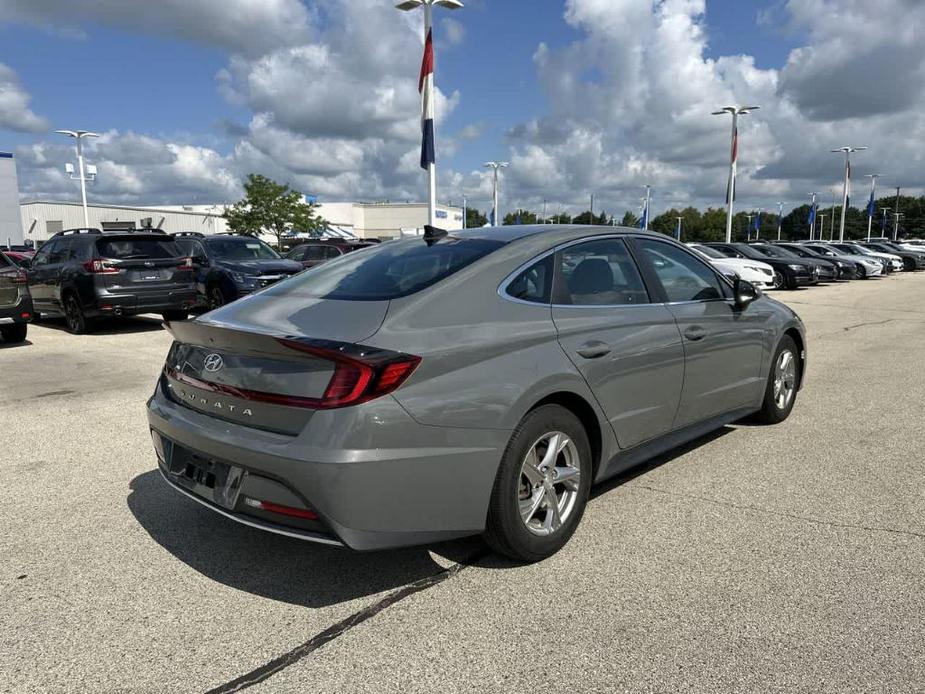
[269,507]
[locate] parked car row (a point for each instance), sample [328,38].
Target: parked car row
[85,275]
[793,264]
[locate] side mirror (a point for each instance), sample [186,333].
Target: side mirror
[744,292]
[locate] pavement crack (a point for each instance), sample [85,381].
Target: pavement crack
[780,514]
[849,328]
[264,672]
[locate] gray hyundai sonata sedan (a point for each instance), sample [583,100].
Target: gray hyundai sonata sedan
[475,382]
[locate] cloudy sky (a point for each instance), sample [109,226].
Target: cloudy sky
[581,96]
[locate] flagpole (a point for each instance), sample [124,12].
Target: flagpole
[812,217]
[648,199]
[870,203]
[780,219]
[845,190]
[736,111]
[758,225]
[426,86]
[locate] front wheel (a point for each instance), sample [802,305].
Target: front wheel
[542,486]
[783,382]
[15,333]
[778,281]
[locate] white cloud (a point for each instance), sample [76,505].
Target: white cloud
[247,26]
[14,105]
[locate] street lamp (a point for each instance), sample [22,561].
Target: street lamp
[426,87]
[495,166]
[870,204]
[736,111]
[845,191]
[78,135]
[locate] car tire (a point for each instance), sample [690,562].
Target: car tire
[174,316]
[778,281]
[531,515]
[15,333]
[784,379]
[75,319]
[216,298]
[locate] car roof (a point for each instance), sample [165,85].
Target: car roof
[556,232]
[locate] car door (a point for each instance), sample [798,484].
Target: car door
[45,267]
[724,347]
[627,347]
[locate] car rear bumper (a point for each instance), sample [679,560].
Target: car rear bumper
[20,312]
[373,476]
[148,302]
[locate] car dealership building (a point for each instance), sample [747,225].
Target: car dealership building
[42,218]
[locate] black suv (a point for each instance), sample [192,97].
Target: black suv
[87,274]
[229,267]
[15,302]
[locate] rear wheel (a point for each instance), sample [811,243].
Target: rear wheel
[783,382]
[172,316]
[77,322]
[13,333]
[542,486]
[217,297]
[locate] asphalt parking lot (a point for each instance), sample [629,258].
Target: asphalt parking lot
[785,559]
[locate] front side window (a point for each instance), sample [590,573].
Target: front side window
[600,273]
[533,284]
[242,248]
[682,276]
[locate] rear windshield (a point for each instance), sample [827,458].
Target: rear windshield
[136,249]
[389,271]
[241,249]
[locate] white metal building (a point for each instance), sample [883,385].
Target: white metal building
[41,219]
[10,223]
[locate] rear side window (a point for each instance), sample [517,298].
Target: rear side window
[137,249]
[389,271]
[533,284]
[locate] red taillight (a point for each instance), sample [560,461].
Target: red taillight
[302,513]
[359,377]
[100,267]
[187,264]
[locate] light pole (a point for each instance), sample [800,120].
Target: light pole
[496,166]
[812,217]
[79,135]
[591,220]
[465,210]
[736,111]
[780,219]
[678,233]
[645,212]
[883,221]
[748,229]
[847,188]
[896,216]
[870,203]
[832,221]
[822,226]
[544,210]
[426,87]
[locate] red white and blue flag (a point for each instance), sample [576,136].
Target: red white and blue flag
[731,186]
[426,88]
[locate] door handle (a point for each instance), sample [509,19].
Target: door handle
[695,333]
[594,349]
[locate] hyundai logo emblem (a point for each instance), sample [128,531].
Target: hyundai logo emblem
[214,362]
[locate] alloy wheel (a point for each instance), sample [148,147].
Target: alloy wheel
[216,298]
[778,280]
[785,379]
[550,478]
[73,315]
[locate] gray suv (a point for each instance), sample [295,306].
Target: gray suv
[464,383]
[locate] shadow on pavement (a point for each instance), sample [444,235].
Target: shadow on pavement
[14,345]
[111,326]
[273,566]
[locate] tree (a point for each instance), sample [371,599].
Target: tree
[587,218]
[475,218]
[272,207]
[629,220]
[526,217]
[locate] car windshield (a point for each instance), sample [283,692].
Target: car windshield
[774,252]
[801,252]
[389,271]
[127,248]
[707,251]
[847,248]
[242,248]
